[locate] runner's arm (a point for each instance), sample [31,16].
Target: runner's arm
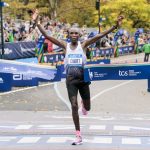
[99,36]
[57,42]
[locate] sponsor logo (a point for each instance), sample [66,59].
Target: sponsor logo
[18,77]
[123,73]
[130,73]
[90,74]
[8,51]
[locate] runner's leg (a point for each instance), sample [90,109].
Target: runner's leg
[84,91]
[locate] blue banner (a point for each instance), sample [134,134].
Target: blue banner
[5,82]
[19,50]
[117,72]
[102,61]
[53,58]
[25,74]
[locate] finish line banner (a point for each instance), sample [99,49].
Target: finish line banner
[117,72]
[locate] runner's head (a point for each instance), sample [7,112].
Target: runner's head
[74,34]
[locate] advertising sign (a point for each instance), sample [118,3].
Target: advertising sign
[117,72]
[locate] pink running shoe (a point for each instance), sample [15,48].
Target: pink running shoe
[84,111]
[78,140]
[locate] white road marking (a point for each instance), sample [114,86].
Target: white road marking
[127,128]
[137,118]
[6,138]
[26,140]
[109,89]
[97,127]
[131,141]
[84,117]
[57,139]
[8,127]
[52,127]
[23,127]
[61,97]
[121,128]
[24,89]
[113,140]
[102,140]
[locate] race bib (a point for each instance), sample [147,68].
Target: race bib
[75,59]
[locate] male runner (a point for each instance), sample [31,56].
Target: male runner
[75,59]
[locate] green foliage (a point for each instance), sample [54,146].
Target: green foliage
[80,11]
[135,15]
[136,12]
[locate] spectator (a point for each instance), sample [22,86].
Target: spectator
[146,49]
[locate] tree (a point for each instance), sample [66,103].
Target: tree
[84,12]
[80,11]
[135,15]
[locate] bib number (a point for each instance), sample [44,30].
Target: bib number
[75,59]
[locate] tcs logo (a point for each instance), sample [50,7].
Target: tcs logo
[123,73]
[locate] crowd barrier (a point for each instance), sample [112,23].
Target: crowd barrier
[19,50]
[53,58]
[102,61]
[25,74]
[117,72]
[5,82]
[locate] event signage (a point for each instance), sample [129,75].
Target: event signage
[117,72]
[5,82]
[25,74]
[19,50]
[102,61]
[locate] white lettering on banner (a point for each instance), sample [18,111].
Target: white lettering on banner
[128,73]
[1,80]
[10,69]
[7,51]
[18,77]
[96,74]
[25,49]
[123,73]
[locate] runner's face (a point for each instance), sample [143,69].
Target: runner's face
[74,35]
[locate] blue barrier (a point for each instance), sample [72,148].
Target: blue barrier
[25,74]
[5,82]
[106,52]
[148,85]
[117,72]
[101,61]
[53,58]
[19,50]
[24,79]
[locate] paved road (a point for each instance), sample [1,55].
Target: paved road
[40,117]
[26,130]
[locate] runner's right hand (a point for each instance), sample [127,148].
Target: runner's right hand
[35,15]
